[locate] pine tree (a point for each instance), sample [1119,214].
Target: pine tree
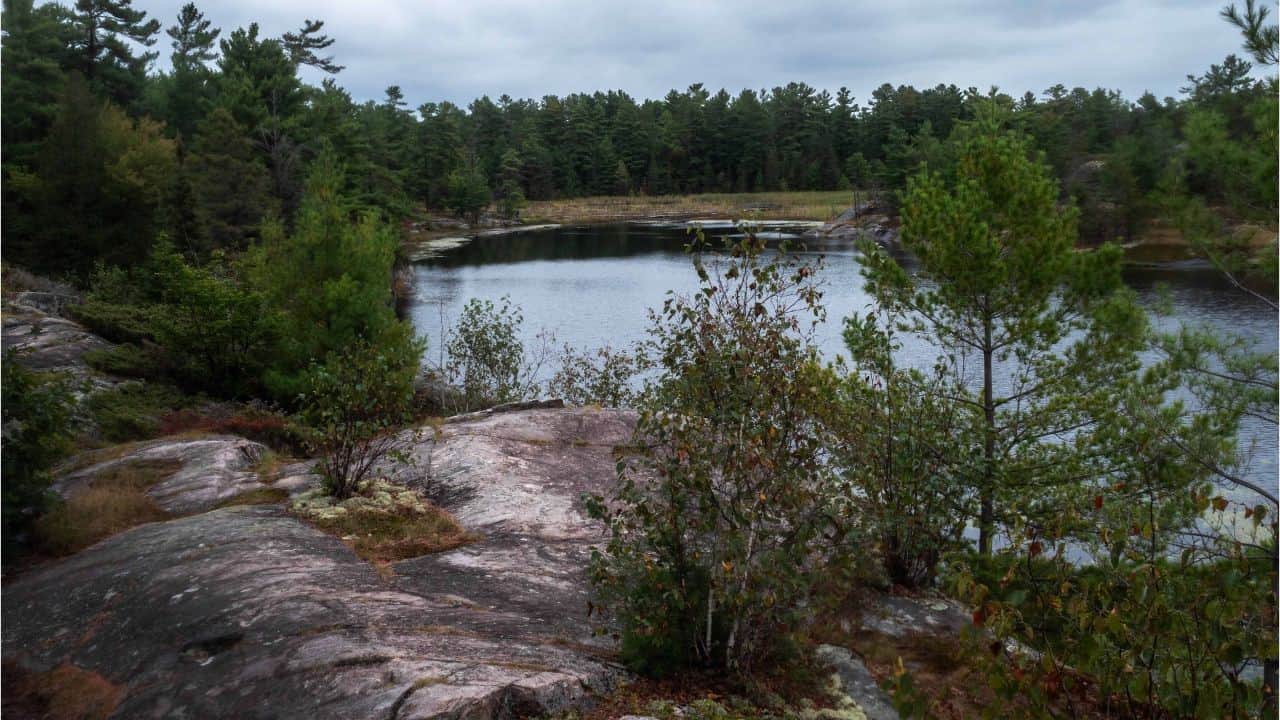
[193,40]
[1000,283]
[105,57]
[35,44]
[329,280]
[302,47]
[100,179]
[230,184]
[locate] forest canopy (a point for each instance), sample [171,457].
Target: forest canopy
[101,151]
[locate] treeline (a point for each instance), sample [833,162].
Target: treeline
[101,154]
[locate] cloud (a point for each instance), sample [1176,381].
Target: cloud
[459,50]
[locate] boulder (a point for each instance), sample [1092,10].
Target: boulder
[857,683]
[248,612]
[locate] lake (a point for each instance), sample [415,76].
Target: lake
[593,285]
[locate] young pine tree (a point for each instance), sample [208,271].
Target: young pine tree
[1001,286]
[329,282]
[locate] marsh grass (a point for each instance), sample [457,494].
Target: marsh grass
[823,206]
[112,502]
[257,496]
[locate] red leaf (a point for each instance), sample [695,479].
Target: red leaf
[979,617]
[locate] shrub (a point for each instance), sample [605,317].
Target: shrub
[355,404]
[132,411]
[485,356]
[604,377]
[726,522]
[114,321]
[468,193]
[130,361]
[214,333]
[37,425]
[897,453]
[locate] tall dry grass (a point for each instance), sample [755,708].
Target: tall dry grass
[821,206]
[110,503]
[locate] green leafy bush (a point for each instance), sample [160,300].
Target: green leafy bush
[213,331]
[326,284]
[486,358]
[355,403]
[726,521]
[114,321]
[37,429]
[898,453]
[468,193]
[127,360]
[604,377]
[132,411]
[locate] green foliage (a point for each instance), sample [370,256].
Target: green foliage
[230,184]
[132,411]
[1176,637]
[37,432]
[34,46]
[486,358]
[127,361]
[898,451]
[327,283]
[99,181]
[355,403]
[211,329]
[468,193]
[726,520]
[1260,39]
[999,282]
[117,322]
[191,87]
[110,30]
[193,325]
[605,377]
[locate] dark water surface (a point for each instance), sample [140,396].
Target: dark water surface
[592,286]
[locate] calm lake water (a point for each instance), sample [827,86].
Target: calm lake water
[592,286]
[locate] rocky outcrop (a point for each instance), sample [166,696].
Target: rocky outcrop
[862,221]
[249,612]
[47,342]
[857,683]
[252,612]
[211,471]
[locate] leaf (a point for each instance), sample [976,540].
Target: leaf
[980,617]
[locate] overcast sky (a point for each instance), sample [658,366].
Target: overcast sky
[459,50]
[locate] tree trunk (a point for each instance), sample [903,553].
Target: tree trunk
[986,513]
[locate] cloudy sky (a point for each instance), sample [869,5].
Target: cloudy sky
[459,49]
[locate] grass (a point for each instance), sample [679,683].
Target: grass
[823,205]
[386,523]
[269,466]
[257,496]
[388,537]
[112,502]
